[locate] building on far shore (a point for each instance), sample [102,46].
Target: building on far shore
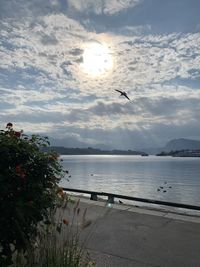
[181,153]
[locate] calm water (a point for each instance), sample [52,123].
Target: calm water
[137,176]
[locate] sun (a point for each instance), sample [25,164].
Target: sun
[97,59]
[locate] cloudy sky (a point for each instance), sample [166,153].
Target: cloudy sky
[61,61]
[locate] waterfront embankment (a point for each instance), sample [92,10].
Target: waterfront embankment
[128,236]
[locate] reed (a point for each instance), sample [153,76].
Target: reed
[58,242]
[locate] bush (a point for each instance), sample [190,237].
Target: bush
[29,183]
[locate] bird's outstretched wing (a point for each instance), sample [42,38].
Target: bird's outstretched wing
[118,91]
[126,96]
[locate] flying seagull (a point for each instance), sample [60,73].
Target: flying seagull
[123,94]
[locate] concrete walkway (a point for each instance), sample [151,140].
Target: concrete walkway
[126,236]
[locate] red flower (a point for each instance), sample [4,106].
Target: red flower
[66,222]
[61,192]
[17,134]
[9,125]
[20,171]
[53,157]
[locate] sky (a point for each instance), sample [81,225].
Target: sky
[62,60]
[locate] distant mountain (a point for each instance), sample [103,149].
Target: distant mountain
[182,143]
[92,151]
[175,144]
[172,145]
[152,150]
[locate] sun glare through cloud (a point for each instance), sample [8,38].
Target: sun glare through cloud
[61,62]
[97,59]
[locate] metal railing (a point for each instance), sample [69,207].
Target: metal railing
[94,196]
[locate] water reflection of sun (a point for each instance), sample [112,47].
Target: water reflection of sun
[97,59]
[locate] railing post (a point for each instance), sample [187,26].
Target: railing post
[93,196]
[110,199]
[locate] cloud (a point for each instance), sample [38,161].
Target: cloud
[101,7]
[48,39]
[102,109]
[44,89]
[76,51]
[139,61]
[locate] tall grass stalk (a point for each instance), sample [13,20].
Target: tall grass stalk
[58,242]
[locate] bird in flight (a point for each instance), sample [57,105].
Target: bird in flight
[123,94]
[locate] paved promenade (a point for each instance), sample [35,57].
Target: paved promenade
[126,236]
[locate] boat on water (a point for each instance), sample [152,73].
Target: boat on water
[144,155]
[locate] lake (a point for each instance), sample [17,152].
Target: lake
[161,178]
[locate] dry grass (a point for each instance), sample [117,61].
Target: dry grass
[58,242]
